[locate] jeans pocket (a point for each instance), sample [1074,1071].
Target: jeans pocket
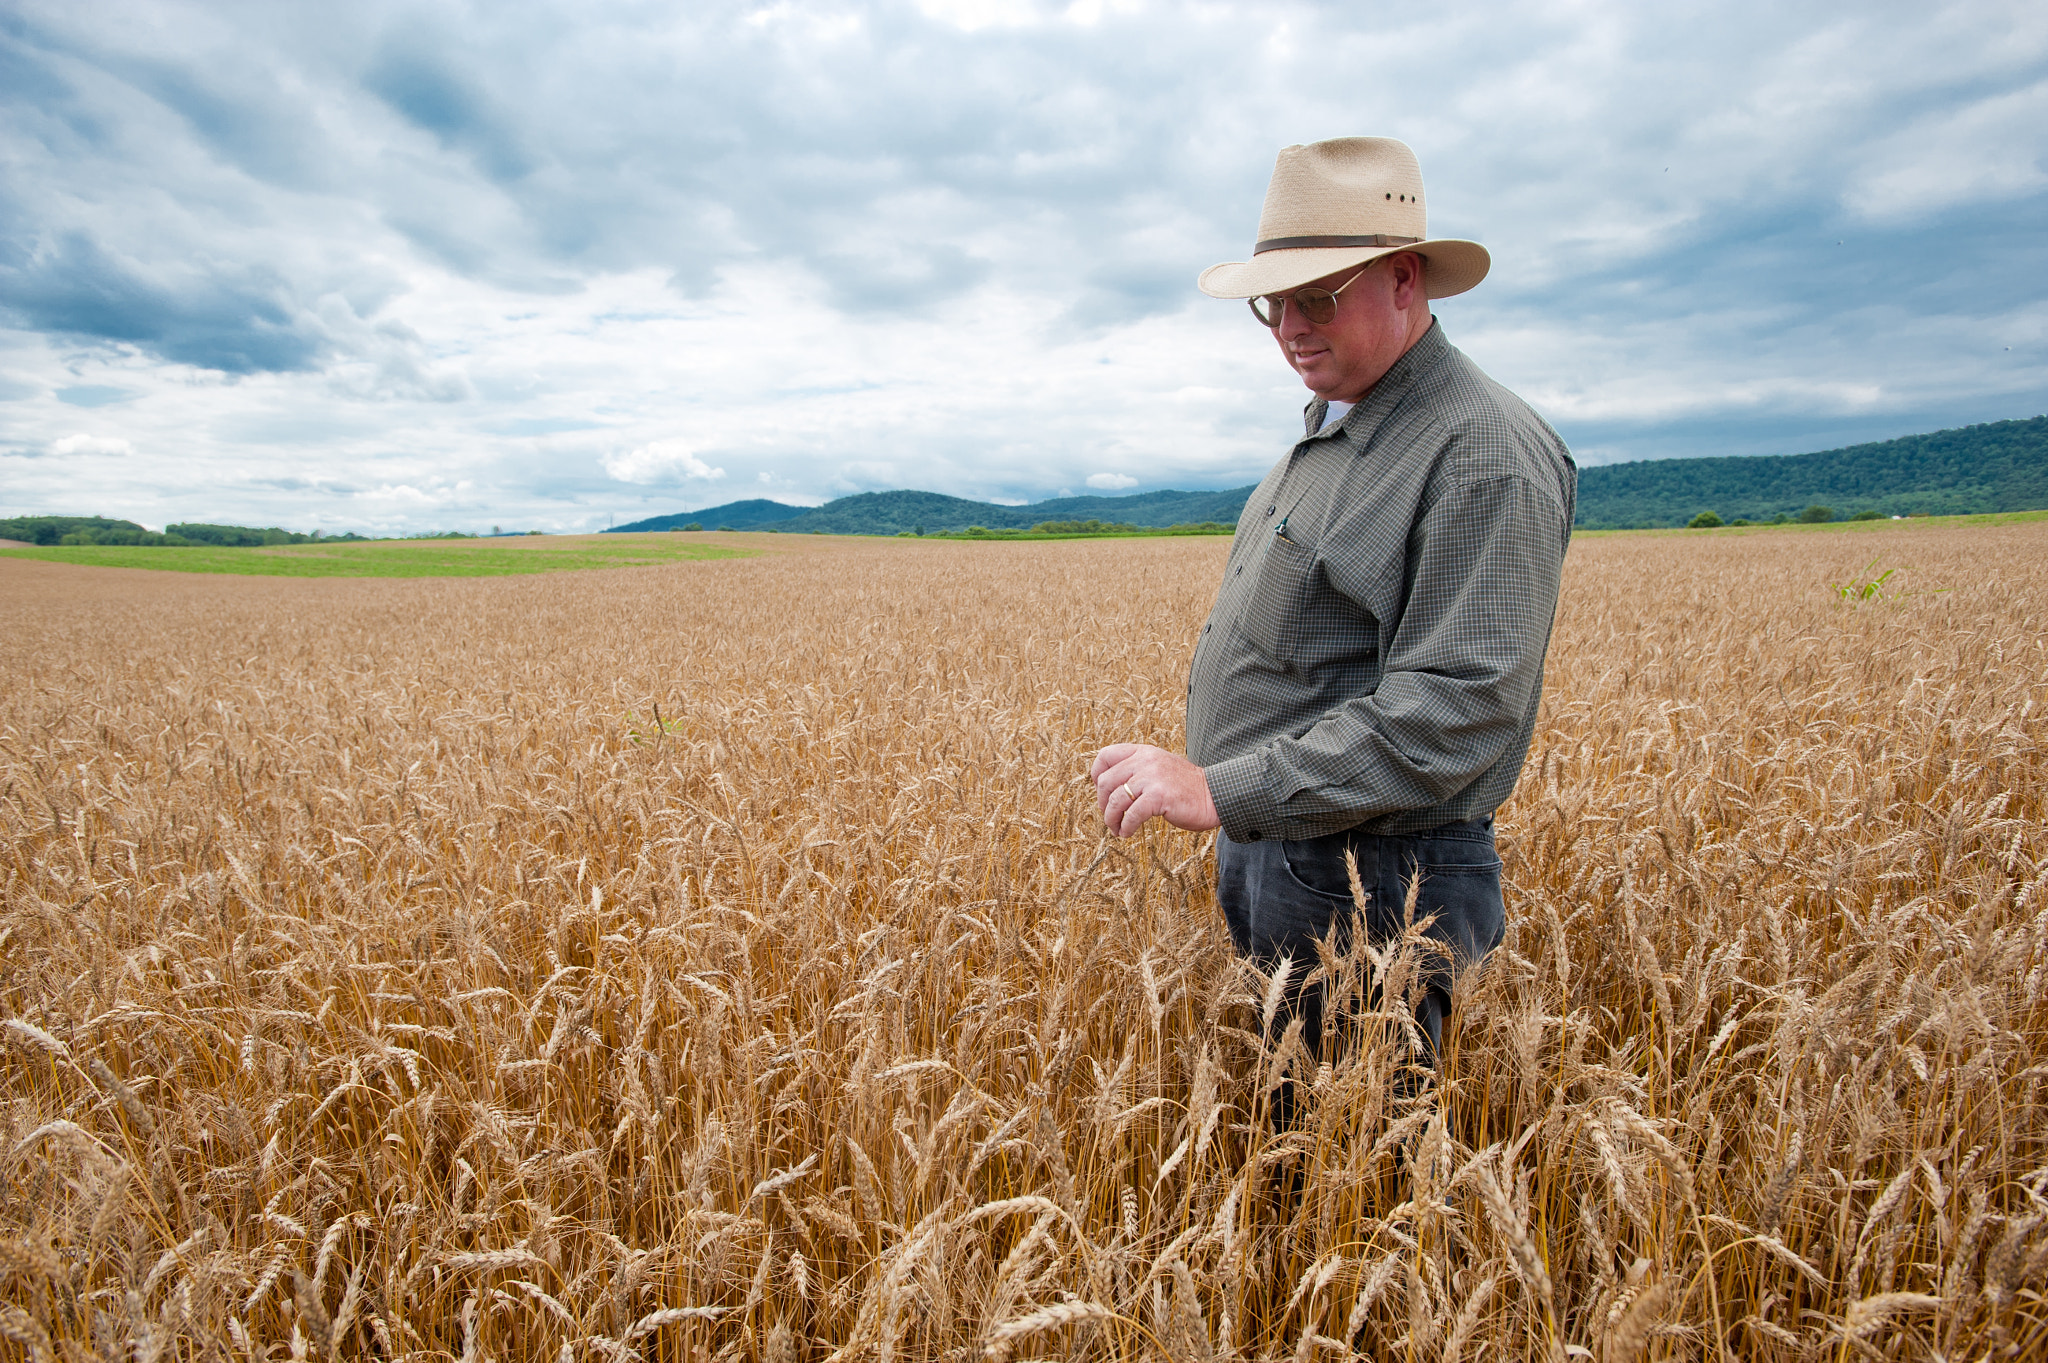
[1293,910]
[1317,865]
[1464,898]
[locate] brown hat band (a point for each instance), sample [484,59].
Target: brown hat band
[1311,243]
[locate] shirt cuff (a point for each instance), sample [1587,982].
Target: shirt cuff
[1244,806]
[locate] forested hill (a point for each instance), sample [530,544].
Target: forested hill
[889,513]
[731,516]
[1999,466]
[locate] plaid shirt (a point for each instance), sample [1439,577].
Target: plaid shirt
[1375,656]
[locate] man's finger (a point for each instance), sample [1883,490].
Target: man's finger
[1113,800]
[1138,811]
[1107,783]
[1136,818]
[1099,770]
[1114,777]
[1121,789]
[1109,757]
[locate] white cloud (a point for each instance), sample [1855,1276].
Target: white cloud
[1111,482]
[1990,149]
[659,461]
[972,15]
[407,495]
[90,444]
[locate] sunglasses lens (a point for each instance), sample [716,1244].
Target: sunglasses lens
[1317,305]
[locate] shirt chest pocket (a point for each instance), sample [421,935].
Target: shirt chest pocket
[1271,620]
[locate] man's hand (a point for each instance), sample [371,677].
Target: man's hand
[1134,781]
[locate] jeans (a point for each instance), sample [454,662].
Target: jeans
[1279,897]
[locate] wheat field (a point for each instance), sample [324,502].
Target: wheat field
[381,978]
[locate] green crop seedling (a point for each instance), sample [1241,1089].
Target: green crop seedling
[1869,586]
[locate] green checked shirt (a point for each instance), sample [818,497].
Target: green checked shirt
[1375,656]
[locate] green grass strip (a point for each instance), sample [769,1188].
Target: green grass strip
[1826,527]
[389,558]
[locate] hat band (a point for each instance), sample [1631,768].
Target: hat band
[1313,243]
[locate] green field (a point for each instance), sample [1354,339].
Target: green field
[1826,527]
[395,558]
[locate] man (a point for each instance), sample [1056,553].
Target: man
[1369,676]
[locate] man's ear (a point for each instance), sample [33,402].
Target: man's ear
[1409,288]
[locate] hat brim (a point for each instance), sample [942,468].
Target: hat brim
[1453,266]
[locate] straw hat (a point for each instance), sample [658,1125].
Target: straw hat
[1338,203]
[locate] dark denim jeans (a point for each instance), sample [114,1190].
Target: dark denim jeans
[1278,897]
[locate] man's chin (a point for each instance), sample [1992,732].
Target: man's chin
[1315,378]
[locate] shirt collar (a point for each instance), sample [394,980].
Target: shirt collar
[1416,361]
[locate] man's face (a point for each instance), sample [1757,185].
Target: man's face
[1383,312]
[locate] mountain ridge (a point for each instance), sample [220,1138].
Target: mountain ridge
[1992,466]
[890,513]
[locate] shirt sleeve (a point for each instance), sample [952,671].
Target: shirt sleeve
[1457,680]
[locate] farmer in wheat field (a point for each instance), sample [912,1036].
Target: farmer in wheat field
[1368,677]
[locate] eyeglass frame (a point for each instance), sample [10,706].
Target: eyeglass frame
[1296,298]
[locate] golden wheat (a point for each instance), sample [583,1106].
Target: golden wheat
[380,977]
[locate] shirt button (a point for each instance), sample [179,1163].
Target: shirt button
[1207,628]
[1271,509]
[1240,570]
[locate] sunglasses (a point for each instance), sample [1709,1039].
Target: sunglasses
[1316,306]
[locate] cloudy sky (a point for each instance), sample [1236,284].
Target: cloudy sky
[401,267]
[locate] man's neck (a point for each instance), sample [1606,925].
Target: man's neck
[1414,339]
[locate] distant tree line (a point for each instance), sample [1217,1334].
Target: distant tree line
[1813,515]
[76,530]
[1085,528]
[242,536]
[60,530]
[103,530]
